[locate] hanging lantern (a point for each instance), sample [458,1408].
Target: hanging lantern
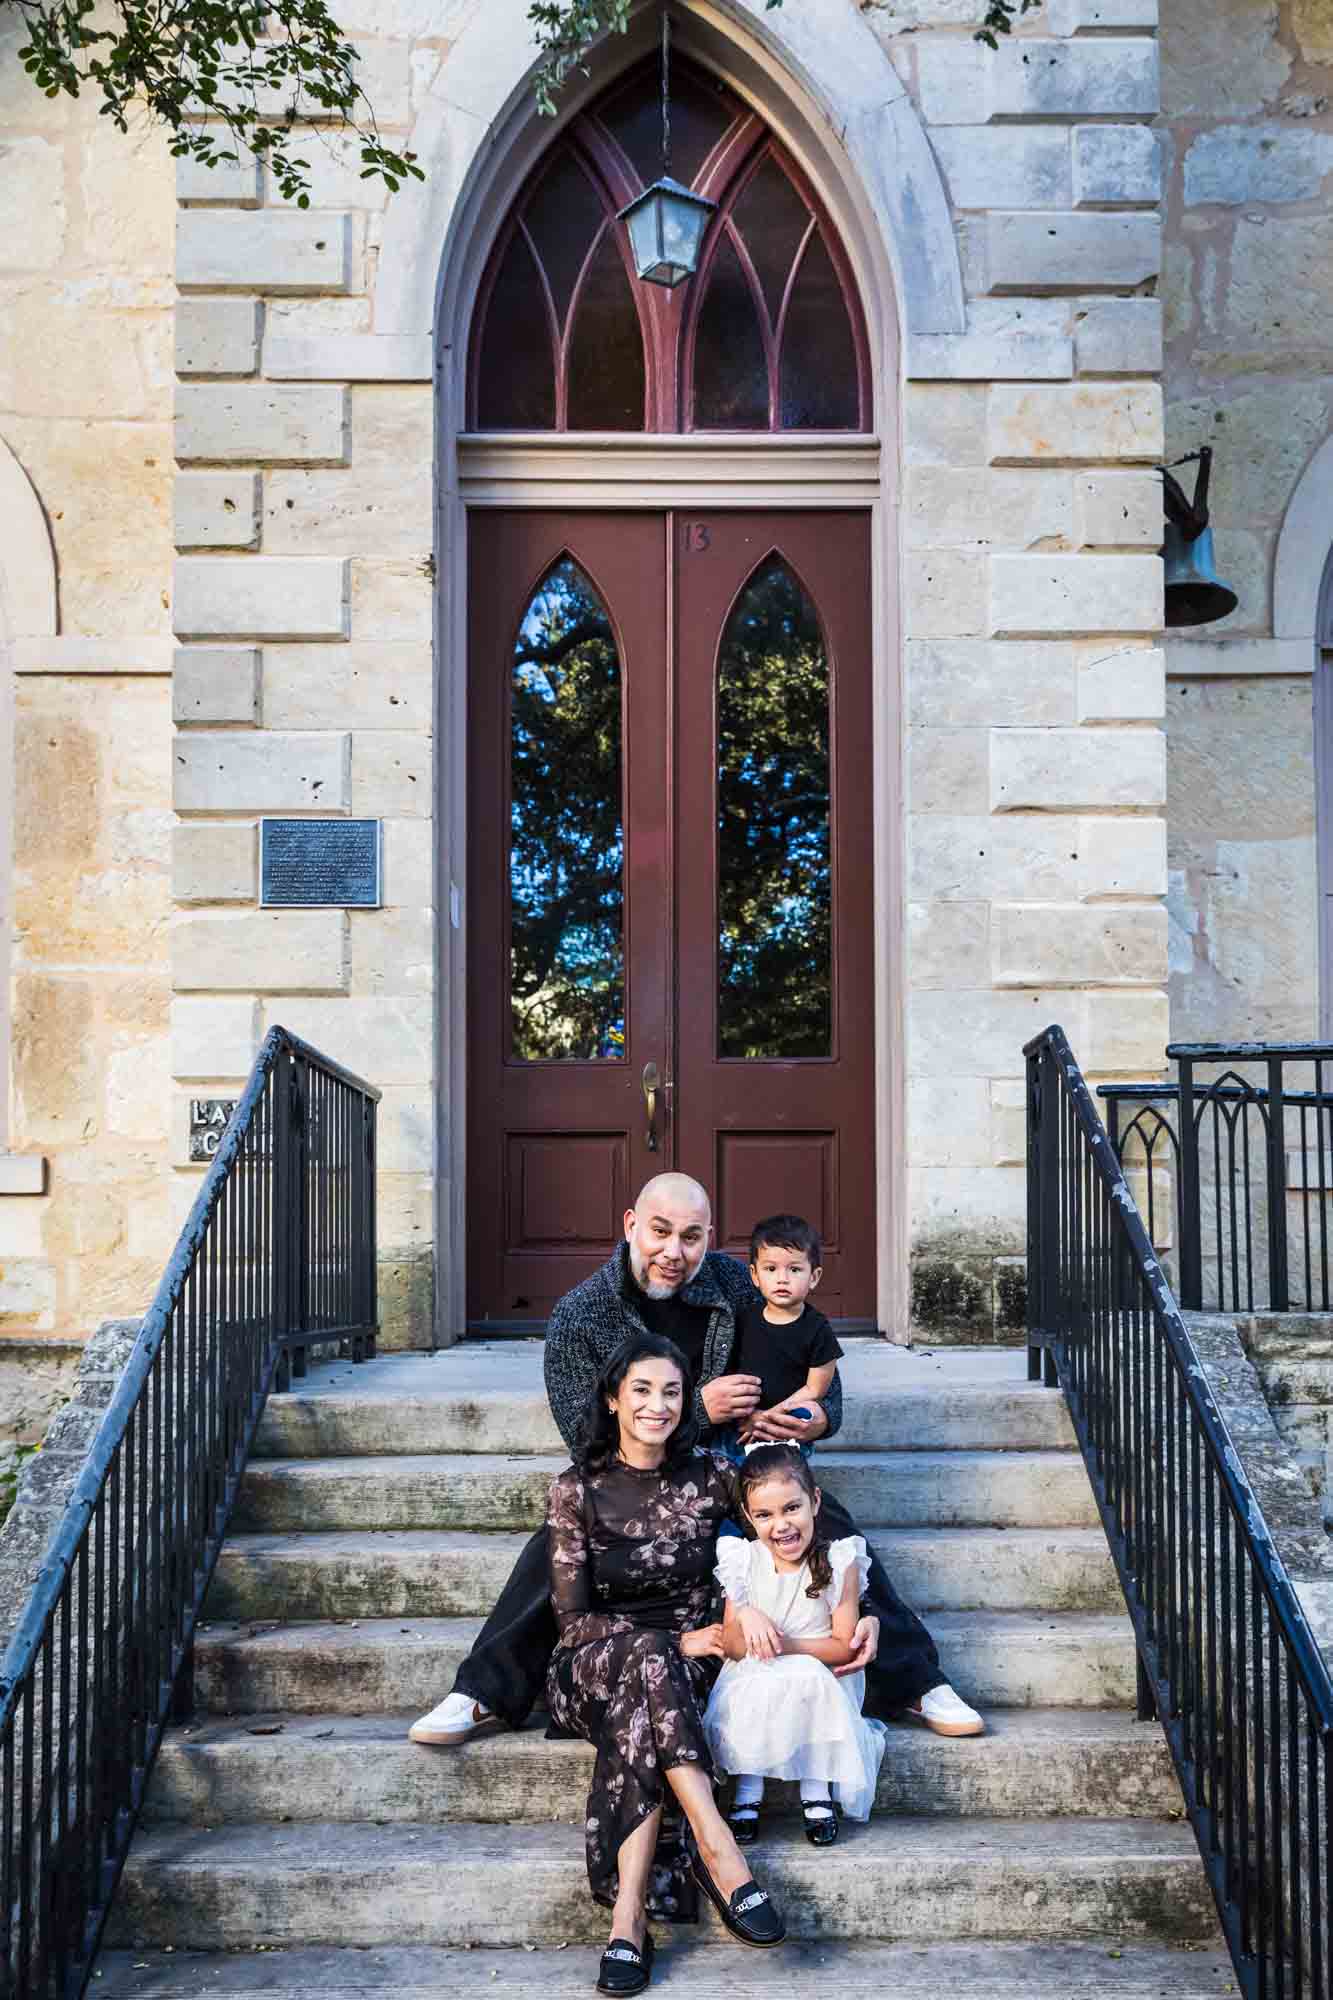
[1195,593]
[666,222]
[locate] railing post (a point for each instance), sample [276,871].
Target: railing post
[1279,1283]
[1191,1223]
[371,1281]
[1035,1267]
[286,1208]
[1043,1154]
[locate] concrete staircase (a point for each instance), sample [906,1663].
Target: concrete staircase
[379,1517]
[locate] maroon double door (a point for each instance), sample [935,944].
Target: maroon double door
[670,893]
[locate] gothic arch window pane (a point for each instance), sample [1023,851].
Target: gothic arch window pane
[606,368]
[562,218]
[775,933]
[771,219]
[516,369]
[701,111]
[819,388]
[730,364]
[566,843]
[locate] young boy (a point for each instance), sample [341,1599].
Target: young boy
[784,1341]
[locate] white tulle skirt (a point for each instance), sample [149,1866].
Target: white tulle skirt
[792,1718]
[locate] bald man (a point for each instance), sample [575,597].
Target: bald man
[664,1278]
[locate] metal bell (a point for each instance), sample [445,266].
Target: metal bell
[1195,594]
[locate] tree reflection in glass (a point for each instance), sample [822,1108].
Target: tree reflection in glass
[775,978]
[566,843]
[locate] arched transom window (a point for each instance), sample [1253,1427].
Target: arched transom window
[767,336]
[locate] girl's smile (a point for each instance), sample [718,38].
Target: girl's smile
[782,1515]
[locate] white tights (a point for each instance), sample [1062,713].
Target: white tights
[750,1791]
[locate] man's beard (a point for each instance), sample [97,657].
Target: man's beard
[650,1288]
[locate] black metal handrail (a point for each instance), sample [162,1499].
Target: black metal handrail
[277,1255]
[1225,1655]
[1251,1234]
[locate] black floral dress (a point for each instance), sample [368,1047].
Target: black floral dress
[632,1557]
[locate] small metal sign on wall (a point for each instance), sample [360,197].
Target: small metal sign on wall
[318,863]
[208,1122]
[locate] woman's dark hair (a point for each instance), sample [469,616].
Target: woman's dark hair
[784,1461]
[601,1427]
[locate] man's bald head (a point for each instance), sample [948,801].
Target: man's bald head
[667,1231]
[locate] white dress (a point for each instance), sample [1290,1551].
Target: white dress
[792,1717]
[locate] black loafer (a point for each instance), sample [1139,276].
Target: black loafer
[821,1825]
[625,1969]
[748,1912]
[744,1824]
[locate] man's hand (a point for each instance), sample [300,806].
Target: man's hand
[763,1641]
[865,1645]
[704,1644]
[779,1424]
[730,1397]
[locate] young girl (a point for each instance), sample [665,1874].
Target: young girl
[778,1710]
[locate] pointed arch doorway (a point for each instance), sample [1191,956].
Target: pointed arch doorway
[671,897]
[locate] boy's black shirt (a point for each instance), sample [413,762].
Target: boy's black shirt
[781,1356]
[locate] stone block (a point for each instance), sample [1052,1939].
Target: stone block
[953,81]
[1031,507]
[1007,1103]
[393,951]
[1072,17]
[213,1038]
[261,597]
[393,602]
[1048,944]
[948,945]
[262,951]
[1118,337]
[1099,78]
[961,683]
[338,356]
[33,214]
[215,684]
[216,510]
[1071,770]
[973,858]
[391,774]
[1116,164]
[262,771]
[945,592]
[1078,593]
[944,423]
[389,1040]
[1118,510]
[273,250]
[946,1117]
[408,861]
[217,336]
[1045,250]
[967,1209]
[239,182]
[1048,423]
[1008,166]
[405,1129]
[22,1173]
[348,687]
[1270,163]
[1126,1034]
[1122,858]
[948,770]
[1120,684]
[944,507]
[281,423]
[213,864]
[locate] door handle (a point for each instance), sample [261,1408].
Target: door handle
[652,1083]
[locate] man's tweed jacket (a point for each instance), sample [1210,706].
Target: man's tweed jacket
[589,1323]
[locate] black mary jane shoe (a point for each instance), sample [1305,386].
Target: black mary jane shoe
[744,1824]
[624,1968]
[748,1912]
[821,1824]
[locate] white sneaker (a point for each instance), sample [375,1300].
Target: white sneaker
[947,1713]
[457,1720]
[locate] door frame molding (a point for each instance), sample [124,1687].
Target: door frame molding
[641,472]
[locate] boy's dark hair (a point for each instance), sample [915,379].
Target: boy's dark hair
[784,1461]
[601,1430]
[787,1232]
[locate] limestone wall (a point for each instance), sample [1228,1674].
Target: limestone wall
[86,295]
[1248,291]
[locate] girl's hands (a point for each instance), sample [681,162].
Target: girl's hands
[704,1644]
[763,1641]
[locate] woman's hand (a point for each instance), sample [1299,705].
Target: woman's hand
[779,1426]
[763,1641]
[704,1644]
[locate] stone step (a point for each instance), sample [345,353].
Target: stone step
[365,1420]
[1038,1762]
[370,1666]
[1104,1968]
[1014,1489]
[423,1573]
[236,1887]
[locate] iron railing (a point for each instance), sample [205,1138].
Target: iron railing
[1237,1153]
[277,1255]
[1225,1656]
